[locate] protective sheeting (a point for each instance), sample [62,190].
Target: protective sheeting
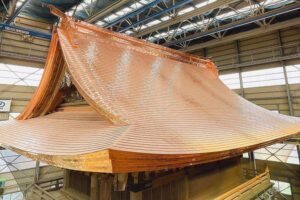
[151,108]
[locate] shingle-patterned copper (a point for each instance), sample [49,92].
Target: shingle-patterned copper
[160,109]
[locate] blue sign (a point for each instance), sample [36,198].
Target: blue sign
[2,104]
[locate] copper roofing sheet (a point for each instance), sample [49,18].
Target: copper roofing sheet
[160,108]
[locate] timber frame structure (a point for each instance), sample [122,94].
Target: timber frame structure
[124,123]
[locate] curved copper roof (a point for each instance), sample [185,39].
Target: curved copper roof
[150,108]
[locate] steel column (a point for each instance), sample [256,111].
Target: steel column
[287,87]
[240,69]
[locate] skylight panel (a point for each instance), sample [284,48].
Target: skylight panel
[144,2]
[199,5]
[226,15]
[165,18]
[111,17]
[189,26]
[100,23]
[124,11]
[128,32]
[143,27]
[151,38]
[154,22]
[186,10]
[136,5]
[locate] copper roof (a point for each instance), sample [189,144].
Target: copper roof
[150,108]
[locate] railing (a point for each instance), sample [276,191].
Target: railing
[38,193]
[41,191]
[275,55]
[250,189]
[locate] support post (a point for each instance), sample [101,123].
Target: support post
[237,48]
[106,183]
[94,187]
[136,195]
[66,179]
[186,188]
[252,159]
[298,151]
[37,172]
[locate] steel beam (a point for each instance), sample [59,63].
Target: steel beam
[180,18]
[157,14]
[298,152]
[237,48]
[134,13]
[106,11]
[257,31]
[238,24]
[287,87]
[25,31]
[18,11]
[289,97]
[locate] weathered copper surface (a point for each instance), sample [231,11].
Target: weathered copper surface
[150,108]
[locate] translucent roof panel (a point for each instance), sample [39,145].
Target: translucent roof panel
[263,77]
[13,196]
[282,187]
[293,74]
[231,80]
[20,75]
[286,153]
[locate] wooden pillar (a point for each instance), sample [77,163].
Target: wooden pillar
[66,179]
[37,172]
[106,183]
[94,195]
[136,195]
[186,188]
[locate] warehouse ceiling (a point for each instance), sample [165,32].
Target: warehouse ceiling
[179,24]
